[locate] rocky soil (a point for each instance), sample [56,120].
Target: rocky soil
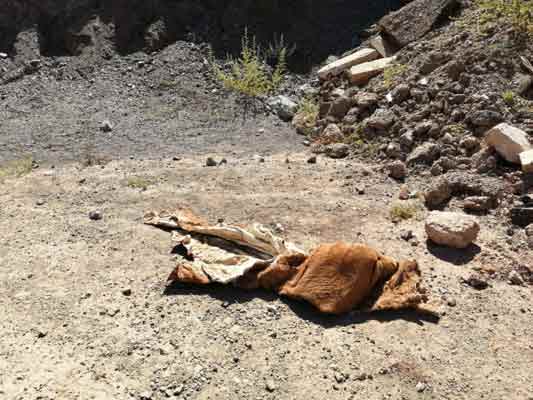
[90,142]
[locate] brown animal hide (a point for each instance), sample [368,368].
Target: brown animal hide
[338,277]
[335,278]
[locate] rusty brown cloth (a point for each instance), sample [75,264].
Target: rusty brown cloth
[335,278]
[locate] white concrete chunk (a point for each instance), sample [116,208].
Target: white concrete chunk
[361,73]
[452,229]
[508,141]
[344,63]
[526,159]
[382,46]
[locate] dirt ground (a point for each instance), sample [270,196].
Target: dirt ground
[86,313]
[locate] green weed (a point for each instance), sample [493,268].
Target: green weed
[249,74]
[16,168]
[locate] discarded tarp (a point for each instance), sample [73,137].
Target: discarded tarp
[335,278]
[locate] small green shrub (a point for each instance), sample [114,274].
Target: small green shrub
[509,97]
[391,73]
[16,168]
[137,182]
[306,116]
[519,13]
[277,47]
[457,130]
[403,210]
[249,74]
[167,84]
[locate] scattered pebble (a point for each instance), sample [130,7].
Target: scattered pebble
[40,202]
[270,385]
[210,162]
[95,215]
[106,126]
[421,387]
[311,160]
[476,281]
[126,292]
[41,333]
[515,278]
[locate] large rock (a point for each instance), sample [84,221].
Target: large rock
[439,193]
[360,74]
[424,154]
[508,141]
[331,134]
[337,150]
[451,229]
[414,20]
[283,106]
[526,159]
[344,63]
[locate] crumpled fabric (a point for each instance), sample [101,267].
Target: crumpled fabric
[335,278]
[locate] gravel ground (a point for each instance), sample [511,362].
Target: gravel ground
[86,311]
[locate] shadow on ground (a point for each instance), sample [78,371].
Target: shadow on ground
[230,295]
[454,256]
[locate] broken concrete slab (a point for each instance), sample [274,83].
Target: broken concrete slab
[526,159]
[508,141]
[414,20]
[344,63]
[383,46]
[360,74]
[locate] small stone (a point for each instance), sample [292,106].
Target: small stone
[283,106]
[210,162]
[41,333]
[40,202]
[485,118]
[311,160]
[451,302]
[477,203]
[424,154]
[179,390]
[332,134]
[337,150]
[421,387]
[106,126]
[176,158]
[340,378]
[515,278]
[95,215]
[407,235]
[397,169]
[126,292]
[3,55]
[394,150]
[146,395]
[404,193]
[476,281]
[270,385]
[360,189]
